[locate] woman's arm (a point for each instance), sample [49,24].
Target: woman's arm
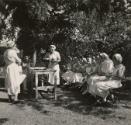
[58,57]
[121,72]
[16,57]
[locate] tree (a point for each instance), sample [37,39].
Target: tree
[74,26]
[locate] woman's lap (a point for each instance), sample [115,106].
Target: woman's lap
[99,85]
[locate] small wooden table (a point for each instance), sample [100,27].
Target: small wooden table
[41,71]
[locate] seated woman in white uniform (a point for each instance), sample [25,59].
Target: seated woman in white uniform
[74,72]
[13,73]
[104,69]
[72,77]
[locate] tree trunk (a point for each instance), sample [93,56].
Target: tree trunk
[34,57]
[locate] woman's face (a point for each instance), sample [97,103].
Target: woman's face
[26,58]
[89,60]
[52,49]
[103,58]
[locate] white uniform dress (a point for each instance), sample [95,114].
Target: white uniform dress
[105,68]
[55,56]
[13,72]
[103,87]
[72,77]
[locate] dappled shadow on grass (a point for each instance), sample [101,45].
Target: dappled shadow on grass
[74,101]
[107,114]
[29,100]
[3,120]
[71,99]
[86,105]
[38,106]
[124,93]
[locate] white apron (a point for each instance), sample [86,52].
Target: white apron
[54,77]
[13,72]
[13,78]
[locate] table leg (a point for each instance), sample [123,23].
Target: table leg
[55,87]
[42,80]
[36,86]
[31,76]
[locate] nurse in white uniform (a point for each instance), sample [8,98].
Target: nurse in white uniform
[13,73]
[54,58]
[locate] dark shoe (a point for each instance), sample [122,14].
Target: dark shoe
[10,99]
[16,102]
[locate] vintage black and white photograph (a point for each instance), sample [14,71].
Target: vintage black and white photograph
[65,62]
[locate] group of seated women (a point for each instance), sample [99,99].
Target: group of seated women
[106,75]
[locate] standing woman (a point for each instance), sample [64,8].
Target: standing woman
[54,58]
[13,73]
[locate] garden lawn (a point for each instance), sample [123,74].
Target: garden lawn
[70,109]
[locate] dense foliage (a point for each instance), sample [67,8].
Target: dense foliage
[78,27]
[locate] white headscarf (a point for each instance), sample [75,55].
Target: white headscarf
[118,57]
[53,46]
[104,55]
